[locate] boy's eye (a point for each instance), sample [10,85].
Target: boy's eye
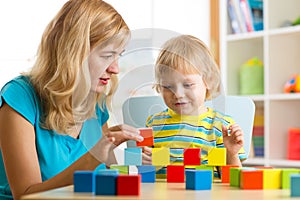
[166,87]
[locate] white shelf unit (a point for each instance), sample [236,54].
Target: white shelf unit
[279,49]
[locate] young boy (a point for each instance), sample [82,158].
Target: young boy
[187,76]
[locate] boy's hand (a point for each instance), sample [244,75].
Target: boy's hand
[233,138]
[147,156]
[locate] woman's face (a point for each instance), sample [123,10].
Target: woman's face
[103,62]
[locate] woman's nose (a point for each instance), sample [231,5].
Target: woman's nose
[113,68]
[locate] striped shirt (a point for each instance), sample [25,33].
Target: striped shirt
[180,131]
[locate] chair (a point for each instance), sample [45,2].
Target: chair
[242,109]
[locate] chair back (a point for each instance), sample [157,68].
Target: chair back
[240,108]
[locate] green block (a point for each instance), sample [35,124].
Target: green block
[234,177]
[123,169]
[286,180]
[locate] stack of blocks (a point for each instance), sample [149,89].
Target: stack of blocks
[126,179]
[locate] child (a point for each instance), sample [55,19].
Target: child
[187,76]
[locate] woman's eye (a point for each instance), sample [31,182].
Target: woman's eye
[188,85]
[107,57]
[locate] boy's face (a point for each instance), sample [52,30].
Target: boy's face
[183,93]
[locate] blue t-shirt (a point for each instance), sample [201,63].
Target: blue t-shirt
[55,151]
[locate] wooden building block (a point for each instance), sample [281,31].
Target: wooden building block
[198,179]
[133,156]
[272,178]
[148,173]
[107,172]
[217,157]
[234,179]
[84,181]
[225,173]
[128,184]
[147,134]
[192,156]
[160,156]
[206,167]
[295,185]
[175,173]
[286,179]
[123,169]
[106,184]
[251,179]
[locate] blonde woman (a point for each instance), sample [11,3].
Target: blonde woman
[53,119]
[187,76]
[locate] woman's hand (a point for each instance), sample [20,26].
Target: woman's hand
[234,140]
[147,156]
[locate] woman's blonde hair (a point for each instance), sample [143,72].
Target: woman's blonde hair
[189,55]
[61,75]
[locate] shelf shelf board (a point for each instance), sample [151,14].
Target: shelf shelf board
[254,161]
[291,96]
[245,36]
[284,163]
[285,31]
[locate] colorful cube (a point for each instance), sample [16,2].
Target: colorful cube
[175,173]
[217,157]
[128,184]
[192,156]
[106,184]
[198,179]
[148,173]
[147,134]
[83,181]
[133,156]
[295,185]
[160,156]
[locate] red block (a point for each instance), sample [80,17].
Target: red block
[147,134]
[175,173]
[251,180]
[128,184]
[192,156]
[225,173]
[293,152]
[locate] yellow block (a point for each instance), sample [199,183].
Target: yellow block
[217,157]
[272,178]
[160,156]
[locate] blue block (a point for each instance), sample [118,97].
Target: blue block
[105,184]
[133,156]
[83,181]
[108,172]
[198,179]
[148,173]
[295,185]
[100,167]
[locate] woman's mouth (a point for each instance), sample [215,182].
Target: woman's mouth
[104,81]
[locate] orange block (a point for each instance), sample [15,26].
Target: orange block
[251,179]
[147,134]
[225,173]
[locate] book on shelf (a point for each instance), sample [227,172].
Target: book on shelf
[245,15]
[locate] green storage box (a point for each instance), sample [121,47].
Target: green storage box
[252,77]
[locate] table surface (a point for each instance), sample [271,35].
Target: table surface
[163,190]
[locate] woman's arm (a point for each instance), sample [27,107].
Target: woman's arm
[17,142]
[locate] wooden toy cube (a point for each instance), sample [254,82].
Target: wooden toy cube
[83,181]
[128,184]
[175,173]
[198,179]
[286,179]
[272,178]
[148,173]
[295,185]
[160,156]
[106,184]
[225,173]
[192,156]
[147,134]
[217,157]
[206,167]
[123,169]
[234,179]
[251,179]
[133,156]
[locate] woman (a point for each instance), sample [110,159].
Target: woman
[53,119]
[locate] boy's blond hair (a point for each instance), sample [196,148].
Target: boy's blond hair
[188,55]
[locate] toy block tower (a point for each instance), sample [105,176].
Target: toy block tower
[217,157]
[147,134]
[133,156]
[128,184]
[192,156]
[160,156]
[198,179]
[83,181]
[175,173]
